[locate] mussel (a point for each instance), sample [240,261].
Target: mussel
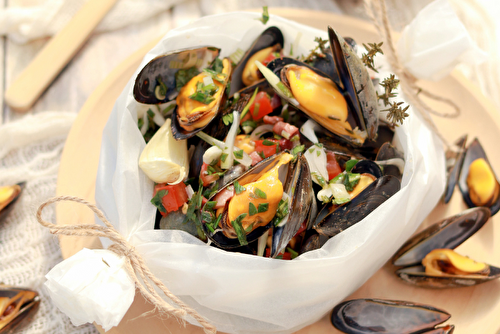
[246,73]
[17,307]
[454,160]
[391,159]
[438,240]
[8,198]
[184,75]
[365,316]
[478,184]
[333,218]
[269,194]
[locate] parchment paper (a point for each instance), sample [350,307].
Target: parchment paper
[248,294]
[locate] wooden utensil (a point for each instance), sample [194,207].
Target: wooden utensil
[35,78]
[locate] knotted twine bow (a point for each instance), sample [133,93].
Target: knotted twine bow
[377,11]
[135,264]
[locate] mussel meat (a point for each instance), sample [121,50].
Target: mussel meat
[365,316]
[478,184]
[8,197]
[17,307]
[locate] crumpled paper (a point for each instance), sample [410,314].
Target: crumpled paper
[92,286]
[435,42]
[240,293]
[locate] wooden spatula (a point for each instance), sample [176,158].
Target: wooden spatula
[33,81]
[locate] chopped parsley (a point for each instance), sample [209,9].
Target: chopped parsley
[157,200]
[202,97]
[261,154]
[268,143]
[281,212]
[182,77]
[260,194]
[238,154]
[217,76]
[350,164]
[351,180]
[240,231]
[238,188]
[252,210]
[223,157]
[263,207]
[228,119]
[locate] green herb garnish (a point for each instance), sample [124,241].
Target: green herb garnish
[252,210]
[204,98]
[281,212]
[217,76]
[157,200]
[265,15]
[261,154]
[263,207]
[293,254]
[238,188]
[182,77]
[260,194]
[268,143]
[238,228]
[223,157]
[238,154]
[351,180]
[228,119]
[350,164]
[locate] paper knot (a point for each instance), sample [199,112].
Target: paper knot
[377,11]
[136,265]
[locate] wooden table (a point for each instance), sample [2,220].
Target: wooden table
[473,308]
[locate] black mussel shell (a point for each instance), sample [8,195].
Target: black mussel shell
[326,65]
[386,153]
[448,233]
[475,151]
[299,189]
[455,161]
[365,316]
[367,166]
[19,306]
[269,37]
[312,240]
[356,82]
[370,149]
[163,68]
[6,208]
[333,219]
[416,275]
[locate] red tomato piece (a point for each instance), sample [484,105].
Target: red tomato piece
[275,101]
[269,59]
[264,103]
[285,144]
[268,150]
[205,178]
[175,198]
[332,166]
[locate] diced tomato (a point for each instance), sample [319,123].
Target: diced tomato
[205,178]
[264,103]
[175,198]
[332,166]
[268,150]
[275,101]
[283,256]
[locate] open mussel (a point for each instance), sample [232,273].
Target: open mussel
[17,308]
[365,316]
[429,252]
[454,160]
[8,198]
[478,184]
[246,72]
[267,195]
[334,218]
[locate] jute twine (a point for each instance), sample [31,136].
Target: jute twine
[135,264]
[377,11]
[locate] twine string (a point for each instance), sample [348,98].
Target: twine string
[135,264]
[377,11]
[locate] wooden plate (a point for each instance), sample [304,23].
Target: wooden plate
[473,309]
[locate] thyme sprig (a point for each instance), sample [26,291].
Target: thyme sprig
[373,49]
[318,52]
[396,113]
[389,85]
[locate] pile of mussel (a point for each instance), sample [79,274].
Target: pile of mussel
[267,203]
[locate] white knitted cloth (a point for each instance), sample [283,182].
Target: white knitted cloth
[30,150]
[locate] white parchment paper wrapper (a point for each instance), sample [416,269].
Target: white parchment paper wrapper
[248,294]
[436,41]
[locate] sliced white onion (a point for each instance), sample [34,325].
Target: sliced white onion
[262,243]
[229,143]
[308,130]
[245,161]
[317,163]
[260,130]
[274,81]
[189,191]
[285,197]
[207,81]
[247,129]
[145,124]
[339,192]
[211,155]
[324,195]
[158,117]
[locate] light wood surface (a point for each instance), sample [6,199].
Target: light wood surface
[473,309]
[39,74]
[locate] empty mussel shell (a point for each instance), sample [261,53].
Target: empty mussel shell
[448,233]
[157,83]
[365,316]
[17,307]
[333,219]
[454,160]
[8,198]
[477,182]
[391,159]
[271,39]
